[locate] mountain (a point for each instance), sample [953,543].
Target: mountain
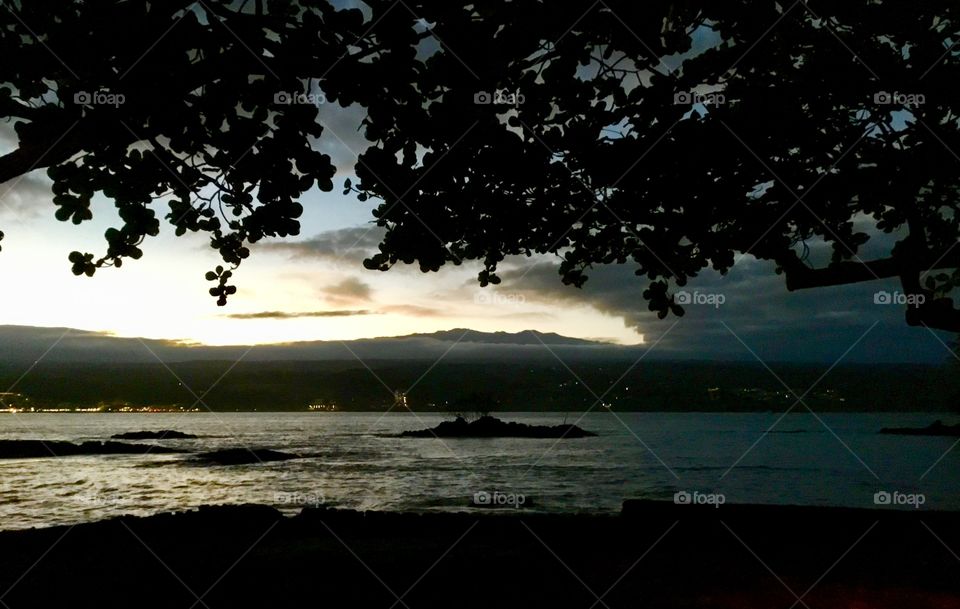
[26,344]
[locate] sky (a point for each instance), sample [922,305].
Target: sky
[164,295]
[314,287]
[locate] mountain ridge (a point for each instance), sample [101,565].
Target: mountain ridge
[28,343]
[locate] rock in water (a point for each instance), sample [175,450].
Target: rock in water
[163,434]
[243,456]
[937,428]
[491,427]
[36,449]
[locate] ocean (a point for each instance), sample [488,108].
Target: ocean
[355,461]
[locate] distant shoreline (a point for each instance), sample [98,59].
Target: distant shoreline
[494,385]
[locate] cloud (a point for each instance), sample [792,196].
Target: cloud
[8,138]
[400,309]
[349,245]
[758,316]
[528,315]
[613,290]
[349,290]
[342,137]
[25,197]
[413,310]
[298,314]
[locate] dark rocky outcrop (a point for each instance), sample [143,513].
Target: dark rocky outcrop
[243,456]
[490,427]
[34,449]
[163,434]
[937,428]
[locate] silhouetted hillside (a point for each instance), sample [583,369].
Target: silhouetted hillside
[25,344]
[489,385]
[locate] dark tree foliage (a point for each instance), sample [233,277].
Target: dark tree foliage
[139,101]
[516,128]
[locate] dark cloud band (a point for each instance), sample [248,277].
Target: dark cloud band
[298,315]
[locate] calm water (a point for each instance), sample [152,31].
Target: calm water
[354,463]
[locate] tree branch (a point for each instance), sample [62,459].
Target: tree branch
[33,156]
[801,277]
[937,314]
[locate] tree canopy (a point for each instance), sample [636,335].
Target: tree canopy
[672,136]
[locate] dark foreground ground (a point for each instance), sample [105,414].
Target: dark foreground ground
[654,555]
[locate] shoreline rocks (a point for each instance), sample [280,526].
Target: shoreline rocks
[491,427]
[243,456]
[163,434]
[37,449]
